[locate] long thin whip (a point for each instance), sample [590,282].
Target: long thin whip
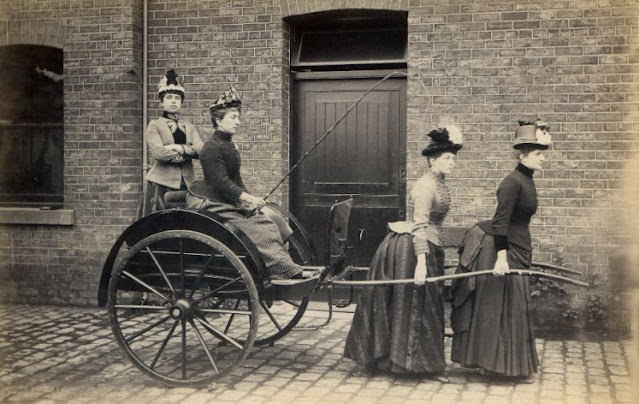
[321,139]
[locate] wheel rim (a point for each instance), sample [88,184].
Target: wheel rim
[172,305]
[279,316]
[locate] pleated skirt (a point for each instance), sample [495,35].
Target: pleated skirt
[259,228]
[399,328]
[492,327]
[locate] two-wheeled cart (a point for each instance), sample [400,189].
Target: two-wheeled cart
[188,295]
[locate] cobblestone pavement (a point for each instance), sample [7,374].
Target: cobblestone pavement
[68,355]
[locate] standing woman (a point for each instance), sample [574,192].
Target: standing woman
[490,318]
[173,142]
[223,191]
[401,328]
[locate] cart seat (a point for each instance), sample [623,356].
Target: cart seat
[175,197]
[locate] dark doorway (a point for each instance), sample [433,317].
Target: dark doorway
[365,156]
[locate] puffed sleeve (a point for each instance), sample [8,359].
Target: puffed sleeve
[423,196]
[157,148]
[507,194]
[213,162]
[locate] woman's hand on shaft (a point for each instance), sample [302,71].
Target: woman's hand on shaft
[254,201]
[420,270]
[501,265]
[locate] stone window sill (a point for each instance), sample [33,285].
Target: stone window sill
[56,217]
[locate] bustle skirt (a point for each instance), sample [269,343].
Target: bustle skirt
[399,328]
[490,319]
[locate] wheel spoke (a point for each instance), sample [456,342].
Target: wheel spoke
[228,323]
[218,333]
[141,282]
[206,350]
[145,329]
[166,340]
[138,306]
[270,315]
[196,285]
[183,349]
[157,264]
[226,311]
[210,294]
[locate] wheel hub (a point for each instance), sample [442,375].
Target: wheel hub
[181,309]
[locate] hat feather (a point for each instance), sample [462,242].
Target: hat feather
[438,135]
[171,77]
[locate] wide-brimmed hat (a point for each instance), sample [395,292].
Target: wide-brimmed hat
[171,82]
[528,137]
[445,139]
[228,99]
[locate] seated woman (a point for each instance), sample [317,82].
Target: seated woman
[224,193]
[173,143]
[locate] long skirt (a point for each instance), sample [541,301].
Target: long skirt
[259,228]
[399,328]
[491,325]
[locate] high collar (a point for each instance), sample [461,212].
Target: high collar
[528,172]
[222,135]
[437,176]
[170,115]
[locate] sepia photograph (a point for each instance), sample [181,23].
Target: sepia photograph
[319,201]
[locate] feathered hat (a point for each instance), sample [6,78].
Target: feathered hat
[171,82]
[445,139]
[527,135]
[228,99]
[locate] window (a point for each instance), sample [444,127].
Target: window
[350,41]
[31,126]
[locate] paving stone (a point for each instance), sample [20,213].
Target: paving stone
[618,371]
[68,355]
[500,390]
[496,400]
[551,394]
[472,396]
[625,396]
[399,391]
[524,397]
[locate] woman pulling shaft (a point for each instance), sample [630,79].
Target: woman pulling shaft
[400,328]
[490,318]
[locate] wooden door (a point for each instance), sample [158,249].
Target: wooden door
[363,157]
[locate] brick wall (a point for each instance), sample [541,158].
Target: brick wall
[102,125]
[487,64]
[215,44]
[483,64]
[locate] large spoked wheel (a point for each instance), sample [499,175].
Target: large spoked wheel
[173,306]
[278,316]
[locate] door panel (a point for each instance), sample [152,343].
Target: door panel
[363,157]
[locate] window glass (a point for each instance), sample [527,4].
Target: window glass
[31,125]
[371,45]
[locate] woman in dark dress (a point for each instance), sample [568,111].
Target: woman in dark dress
[490,318]
[223,191]
[401,328]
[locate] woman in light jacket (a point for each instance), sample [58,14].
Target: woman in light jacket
[173,142]
[400,328]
